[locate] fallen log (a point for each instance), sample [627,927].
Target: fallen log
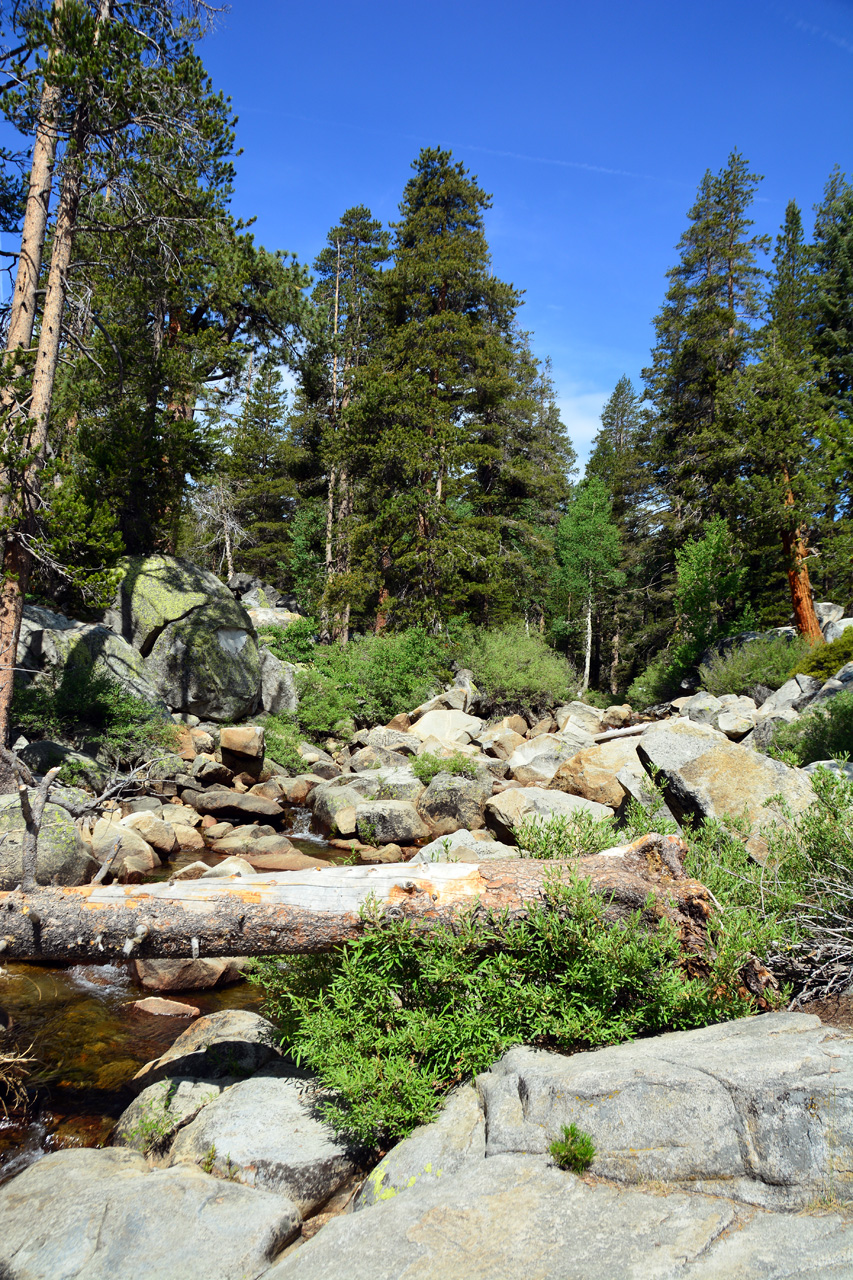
[309,911]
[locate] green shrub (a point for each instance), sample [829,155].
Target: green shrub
[371,680]
[426,766]
[293,643]
[575,835]
[661,679]
[765,661]
[825,732]
[824,660]
[396,1018]
[95,712]
[574,1151]
[516,670]
[281,738]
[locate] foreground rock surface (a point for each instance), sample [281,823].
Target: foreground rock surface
[103,1215]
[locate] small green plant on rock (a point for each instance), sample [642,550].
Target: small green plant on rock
[575,1151]
[208,1160]
[426,766]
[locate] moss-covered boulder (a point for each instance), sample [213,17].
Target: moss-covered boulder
[52,643]
[197,642]
[62,856]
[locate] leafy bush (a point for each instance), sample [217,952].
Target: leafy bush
[281,738]
[824,660]
[88,708]
[661,679]
[369,681]
[396,1018]
[515,670]
[293,643]
[825,732]
[576,835]
[765,661]
[574,1151]
[426,766]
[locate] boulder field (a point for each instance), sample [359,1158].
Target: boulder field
[720,1154]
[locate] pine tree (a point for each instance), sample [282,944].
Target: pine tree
[832,298]
[704,332]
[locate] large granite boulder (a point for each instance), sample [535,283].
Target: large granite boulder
[592,772]
[279,694]
[51,642]
[103,1215]
[706,776]
[232,1042]
[504,812]
[263,1132]
[62,858]
[389,822]
[198,643]
[452,802]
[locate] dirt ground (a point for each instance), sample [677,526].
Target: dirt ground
[837,1011]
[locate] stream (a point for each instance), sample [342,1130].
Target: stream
[88,1040]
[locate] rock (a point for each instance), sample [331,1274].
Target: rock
[639,788]
[828,613]
[722,780]
[243,842]
[173,813]
[272,789]
[154,831]
[449,848]
[432,1151]
[161,1008]
[264,1135]
[749,1109]
[388,853]
[243,740]
[592,773]
[335,807]
[453,725]
[188,837]
[110,838]
[197,642]
[294,861]
[540,758]
[580,716]
[377,757]
[734,726]
[202,741]
[230,1042]
[505,811]
[210,773]
[451,802]
[192,871]
[262,617]
[738,703]
[43,755]
[103,1215]
[702,708]
[616,717]
[762,735]
[841,769]
[135,868]
[278,684]
[518,724]
[449,700]
[153,1118]
[298,789]
[514,1216]
[406,744]
[835,629]
[389,822]
[499,742]
[401,722]
[231,866]
[51,642]
[62,858]
[231,804]
[794,695]
[143,804]
[546,725]
[396,784]
[187,975]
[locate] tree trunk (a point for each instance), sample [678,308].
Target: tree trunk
[614,661]
[588,647]
[302,912]
[796,554]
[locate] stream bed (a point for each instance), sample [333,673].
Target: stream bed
[88,1040]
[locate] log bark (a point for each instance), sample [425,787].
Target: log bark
[297,912]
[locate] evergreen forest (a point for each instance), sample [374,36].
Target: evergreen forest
[375,431]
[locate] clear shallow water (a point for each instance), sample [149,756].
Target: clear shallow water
[88,1040]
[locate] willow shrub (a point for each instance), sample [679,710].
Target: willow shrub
[396,1018]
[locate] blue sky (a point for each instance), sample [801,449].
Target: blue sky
[591,126]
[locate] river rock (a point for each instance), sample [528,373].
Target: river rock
[540,758]
[156,1006]
[263,1133]
[702,708]
[111,838]
[152,1119]
[187,975]
[197,641]
[452,802]
[41,756]
[432,1151]
[396,784]
[235,804]
[103,1215]
[515,1216]
[209,772]
[724,779]
[580,716]
[154,831]
[188,838]
[173,813]
[452,725]
[63,858]
[389,822]
[335,807]
[503,812]
[592,772]
[230,1042]
[231,866]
